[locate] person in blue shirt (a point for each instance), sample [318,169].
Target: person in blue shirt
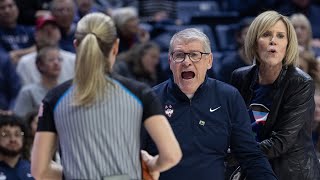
[15,39]
[207,116]
[9,84]
[12,145]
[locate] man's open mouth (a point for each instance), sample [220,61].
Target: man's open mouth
[188,75]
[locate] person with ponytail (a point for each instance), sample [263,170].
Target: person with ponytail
[96,118]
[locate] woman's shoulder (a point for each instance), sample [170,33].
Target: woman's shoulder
[129,83]
[245,70]
[296,74]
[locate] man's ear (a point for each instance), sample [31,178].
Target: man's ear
[210,61]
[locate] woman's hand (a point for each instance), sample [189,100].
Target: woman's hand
[150,162]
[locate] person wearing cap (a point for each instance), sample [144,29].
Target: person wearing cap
[47,34]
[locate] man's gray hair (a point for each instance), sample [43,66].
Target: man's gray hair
[190,34]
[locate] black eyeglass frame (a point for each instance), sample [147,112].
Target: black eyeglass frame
[185,54]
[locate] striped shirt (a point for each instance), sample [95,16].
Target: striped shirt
[102,139]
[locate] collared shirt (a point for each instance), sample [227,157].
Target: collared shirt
[205,126]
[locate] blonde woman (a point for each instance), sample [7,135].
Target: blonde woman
[96,118]
[279,97]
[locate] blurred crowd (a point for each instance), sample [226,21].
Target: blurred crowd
[37,44]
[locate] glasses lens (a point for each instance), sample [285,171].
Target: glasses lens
[16,134]
[195,56]
[178,56]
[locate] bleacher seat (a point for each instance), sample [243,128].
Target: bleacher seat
[226,36]
[187,9]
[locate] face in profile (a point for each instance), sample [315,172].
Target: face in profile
[131,27]
[11,140]
[189,75]
[150,60]
[272,45]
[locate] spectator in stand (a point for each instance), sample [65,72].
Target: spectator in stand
[12,145]
[316,124]
[306,7]
[127,22]
[47,34]
[236,59]
[303,29]
[64,13]
[84,7]
[9,84]
[15,39]
[310,65]
[139,63]
[48,63]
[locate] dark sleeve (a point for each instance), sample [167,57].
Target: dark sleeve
[12,79]
[151,104]
[46,118]
[296,110]
[46,110]
[252,161]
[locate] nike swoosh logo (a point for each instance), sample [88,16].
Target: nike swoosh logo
[212,110]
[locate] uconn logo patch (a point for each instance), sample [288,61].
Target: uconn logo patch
[168,110]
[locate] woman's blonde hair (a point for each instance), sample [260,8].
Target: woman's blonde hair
[95,35]
[260,25]
[300,18]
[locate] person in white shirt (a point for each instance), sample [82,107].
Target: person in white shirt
[47,33]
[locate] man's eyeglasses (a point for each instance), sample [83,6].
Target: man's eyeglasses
[8,135]
[194,56]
